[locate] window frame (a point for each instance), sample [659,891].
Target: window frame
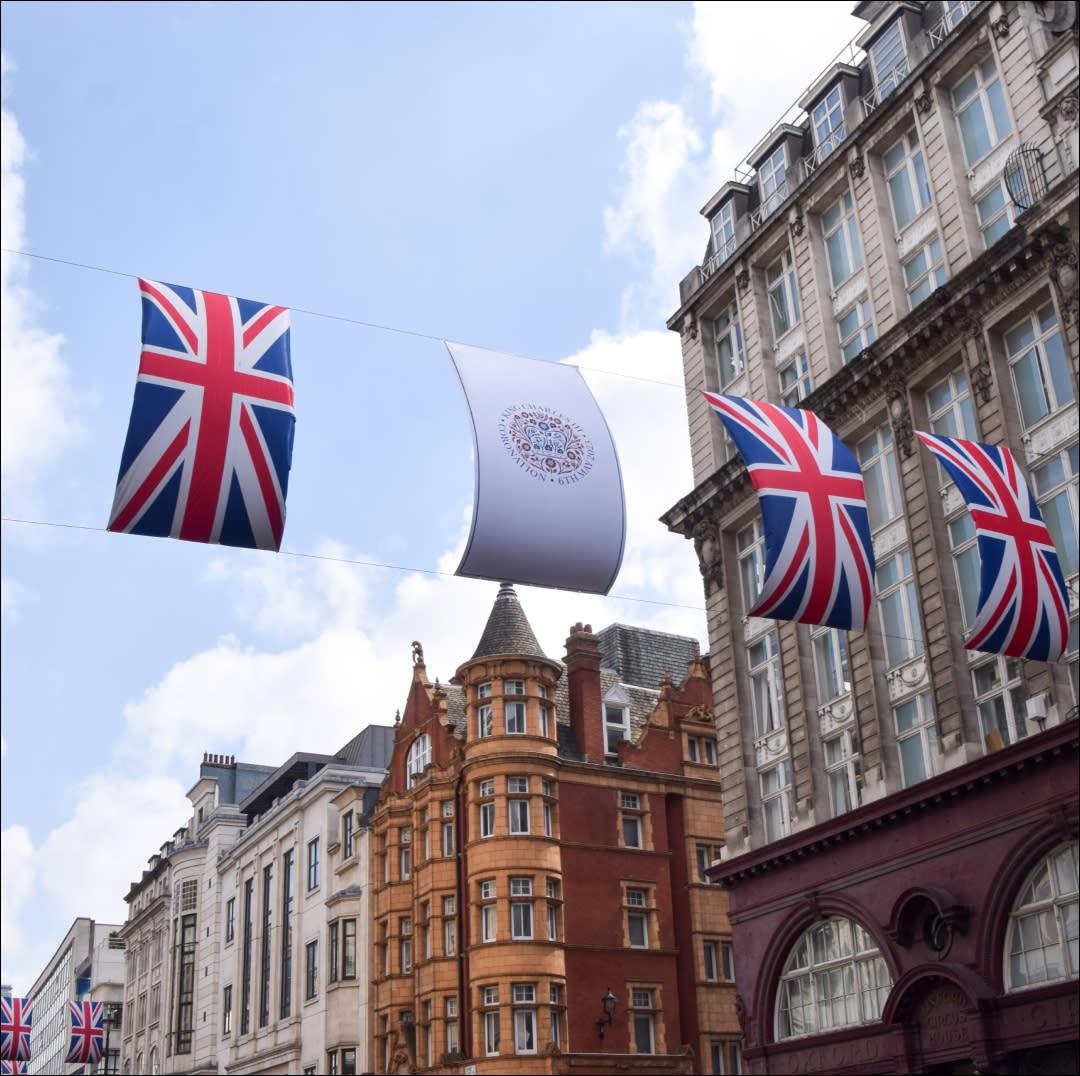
[843,243]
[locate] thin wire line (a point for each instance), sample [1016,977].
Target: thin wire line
[335,317]
[349,560]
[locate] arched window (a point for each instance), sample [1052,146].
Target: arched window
[835,977]
[419,758]
[1044,928]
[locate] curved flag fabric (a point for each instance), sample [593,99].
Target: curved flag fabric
[1023,602]
[87,1032]
[819,561]
[209,444]
[13,1068]
[16,1019]
[548,508]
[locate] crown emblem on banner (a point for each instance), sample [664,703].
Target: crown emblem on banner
[546,440]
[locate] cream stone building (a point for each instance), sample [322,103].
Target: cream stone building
[899,253]
[246,931]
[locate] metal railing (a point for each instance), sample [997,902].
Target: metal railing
[825,149]
[886,85]
[948,22]
[1025,176]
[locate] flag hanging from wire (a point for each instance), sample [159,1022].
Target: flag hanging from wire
[1023,606]
[819,562]
[16,1020]
[209,444]
[548,508]
[87,1032]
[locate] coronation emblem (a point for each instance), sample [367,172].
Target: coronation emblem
[549,445]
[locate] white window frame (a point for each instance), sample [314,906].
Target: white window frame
[643,1020]
[521,920]
[750,550]
[830,663]
[898,608]
[966,565]
[795,383]
[906,178]
[1034,345]
[772,180]
[723,229]
[1054,484]
[514,718]
[856,330]
[766,692]
[775,782]
[517,814]
[1000,699]
[419,758]
[877,461]
[828,123]
[487,820]
[843,773]
[843,247]
[616,728]
[783,289]
[517,785]
[888,55]
[489,922]
[484,722]
[728,345]
[980,107]
[995,212]
[916,739]
[925,271]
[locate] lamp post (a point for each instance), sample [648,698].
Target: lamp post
[608,1002]
[109,1019]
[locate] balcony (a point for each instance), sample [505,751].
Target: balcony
[718,259]
[885,85]
[826,149]
[769,206]
[937,33]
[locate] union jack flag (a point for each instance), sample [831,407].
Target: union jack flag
[13,1068]
[16,1016]
[209,445]
[87,1033]
[1023,602]
[819,563]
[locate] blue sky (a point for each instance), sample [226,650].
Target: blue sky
[524,177]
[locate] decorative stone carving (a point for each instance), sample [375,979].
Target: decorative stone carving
[742,277]
[709,552]
[795,221]
[856,163]
[907,678]
[1069,107]
[900,415]
[982,375]
[1063,272]
[1000,27]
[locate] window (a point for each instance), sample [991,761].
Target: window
[1000,700]
[642,1019]
[889,62]
[726,1058]
[1040,370]
[449,937]
[905,175]
[486,788]
[348,1062]
[230,919]
[246,957]
[835,977]
[491,1020]
[965,563]
[552,910]
[856,329]
[514,714]
[332,953]
[517,785]
[776,800]
[405,944]
[267,941]
[899,609]
[517,812]
[750,545]
[842,772]
[1055,489]
[447,810]
[555,999]
[616,728]
[547,815]
[637,918]
[405,862]
[727,961]
[979,104]
[489,924]
[348,949]
[1044,929]
[924,272]
[783,295]
[995,212]
[916,739]
[948,404]
[483,718]
[448,838]
[451,1025]
[711,960]
[487,889]
[704,856]
[524,1018]
[313,864]
[842,245]
[311,969]
[347,835]
[763,658]
[701,750]
[728,344]
[795,384]
[419,758]
[772,176]
[878,466]
[828,122]
[631,831]
[545,719]
[723,227]
[521,912]
[226,1011]
[483,691]
[332,1063]
[513,687]
[830,663]
[487,819]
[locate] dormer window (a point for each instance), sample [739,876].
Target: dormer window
[419,758]
[723,226]
[772,177]
[616,729]
[889,62]
[828,121]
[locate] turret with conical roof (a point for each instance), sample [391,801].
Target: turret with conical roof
[508,630]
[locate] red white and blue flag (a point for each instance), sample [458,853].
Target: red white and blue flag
[1023,602]
[209,445]
[87,1032]
[819,562]
[16,1017]
[14,1068]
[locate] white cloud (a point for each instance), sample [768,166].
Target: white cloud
[16,885]
[35,410]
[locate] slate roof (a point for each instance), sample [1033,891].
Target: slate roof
[373,747]
[641,656]
[508,630]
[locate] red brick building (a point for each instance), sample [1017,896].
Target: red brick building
[540,850]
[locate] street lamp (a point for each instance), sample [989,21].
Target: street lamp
[110,1019]
[608,1003]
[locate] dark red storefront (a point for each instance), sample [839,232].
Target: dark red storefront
[933,878]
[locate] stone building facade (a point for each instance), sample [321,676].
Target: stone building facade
[899,254]
[540,899]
